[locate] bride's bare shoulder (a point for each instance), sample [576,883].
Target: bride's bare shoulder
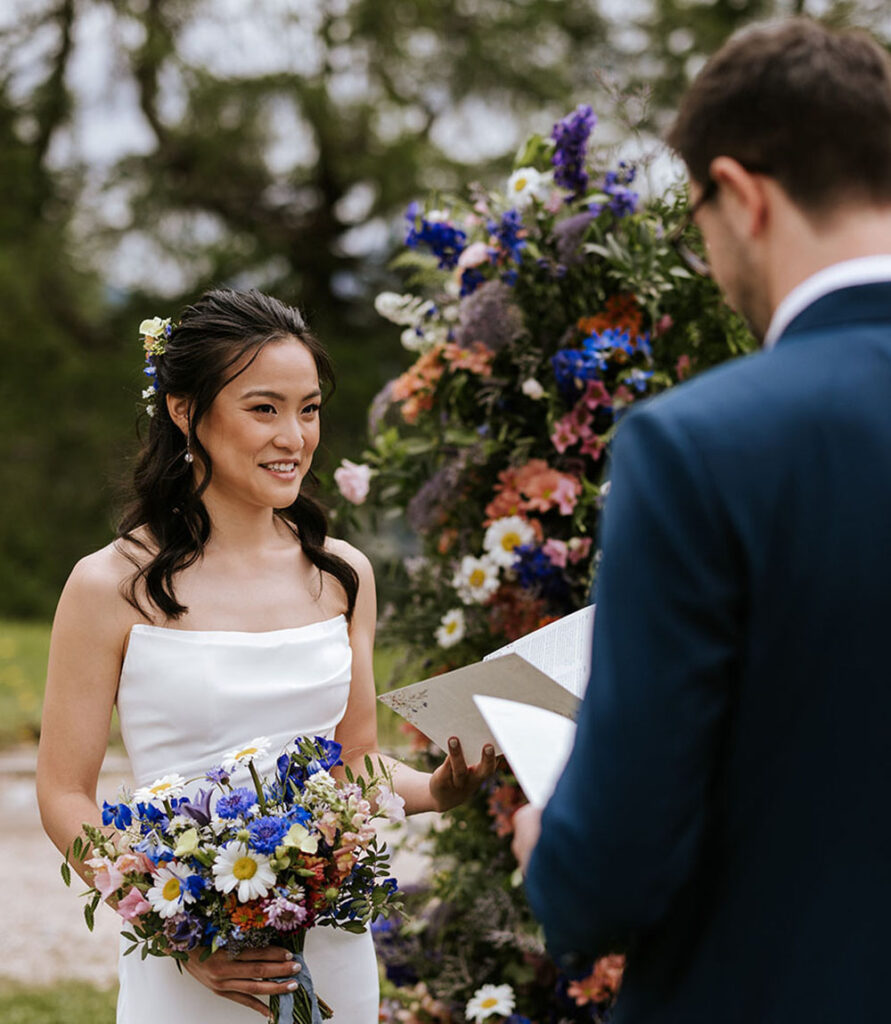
[352,555]
[100,580]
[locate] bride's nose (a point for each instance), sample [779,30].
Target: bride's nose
[290,436]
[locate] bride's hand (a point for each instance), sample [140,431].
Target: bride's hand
[453,781]
[246,977]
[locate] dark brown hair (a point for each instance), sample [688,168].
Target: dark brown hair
[804,103]
[212,338]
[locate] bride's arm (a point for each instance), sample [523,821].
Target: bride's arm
[453,781]
[82,676]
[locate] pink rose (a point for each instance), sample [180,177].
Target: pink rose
[353,481]
[133,905]
[475,254]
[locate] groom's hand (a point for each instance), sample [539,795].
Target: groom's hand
[527,828]
[453,781]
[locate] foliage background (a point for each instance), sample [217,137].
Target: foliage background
[149,148]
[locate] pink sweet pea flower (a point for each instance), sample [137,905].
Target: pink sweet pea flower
[106,877]
[133,905]
[564,434]
[556,551]
[353,481]
[475,254]
[566,493]
[128,863]
[579,548]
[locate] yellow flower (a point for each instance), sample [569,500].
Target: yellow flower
[299,836]
[188,843]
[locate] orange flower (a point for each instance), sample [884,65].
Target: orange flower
[621,311]
[505,503]
[247,915]
[602,984]
[503,801]
[476,359]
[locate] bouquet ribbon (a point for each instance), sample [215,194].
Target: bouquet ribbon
[286,1001]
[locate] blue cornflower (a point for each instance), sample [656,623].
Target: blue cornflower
[120,814]
[535,571]
[298,814]
[266,833]
[239,801]
[445,241]
[570,137]
[219,776]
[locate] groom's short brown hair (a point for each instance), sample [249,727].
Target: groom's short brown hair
[804,103]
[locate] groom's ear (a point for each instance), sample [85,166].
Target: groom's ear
[180,409]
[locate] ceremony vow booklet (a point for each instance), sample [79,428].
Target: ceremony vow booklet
[544,671]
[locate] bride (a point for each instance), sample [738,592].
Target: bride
[223,611]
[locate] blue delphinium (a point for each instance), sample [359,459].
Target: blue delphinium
[120,814]
[572,367]
[508,232]
[239,801]
[570,137]
[471,279]
[445,241]
[615,184]
[267,833]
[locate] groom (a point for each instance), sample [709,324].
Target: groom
[725,816]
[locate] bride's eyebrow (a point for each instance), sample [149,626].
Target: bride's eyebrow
[277,395]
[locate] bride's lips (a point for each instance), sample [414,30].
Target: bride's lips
[283,469]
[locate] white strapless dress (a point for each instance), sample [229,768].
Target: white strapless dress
[185,699]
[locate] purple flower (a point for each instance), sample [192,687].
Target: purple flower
[183,932]
[219,776]
[445,241]
[266,833]
[570,146]
[491,316]
[568,235]
[284,915]
[535,571]
[239,801]
[198,808]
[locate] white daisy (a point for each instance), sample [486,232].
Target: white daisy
[244,755]
[241,868]
[503,536]
[160,790]
[490,1000]
[168,895]
[526,184]
[476,579]
[451,629]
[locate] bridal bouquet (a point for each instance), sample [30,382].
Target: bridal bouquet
[243,867]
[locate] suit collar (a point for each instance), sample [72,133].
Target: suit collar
[845,274]
[857,304]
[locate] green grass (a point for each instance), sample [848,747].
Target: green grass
[69,1002]
[23,652]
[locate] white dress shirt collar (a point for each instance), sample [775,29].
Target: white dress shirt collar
[863,270]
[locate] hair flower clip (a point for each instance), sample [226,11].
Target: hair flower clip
[155,334]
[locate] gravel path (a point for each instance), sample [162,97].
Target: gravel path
[43,936]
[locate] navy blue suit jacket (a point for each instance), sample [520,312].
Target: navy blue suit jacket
[725,817]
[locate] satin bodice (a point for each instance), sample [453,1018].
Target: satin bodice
[187,697]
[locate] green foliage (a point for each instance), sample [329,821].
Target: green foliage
[69,1001]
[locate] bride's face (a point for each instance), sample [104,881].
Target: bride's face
[263,427]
